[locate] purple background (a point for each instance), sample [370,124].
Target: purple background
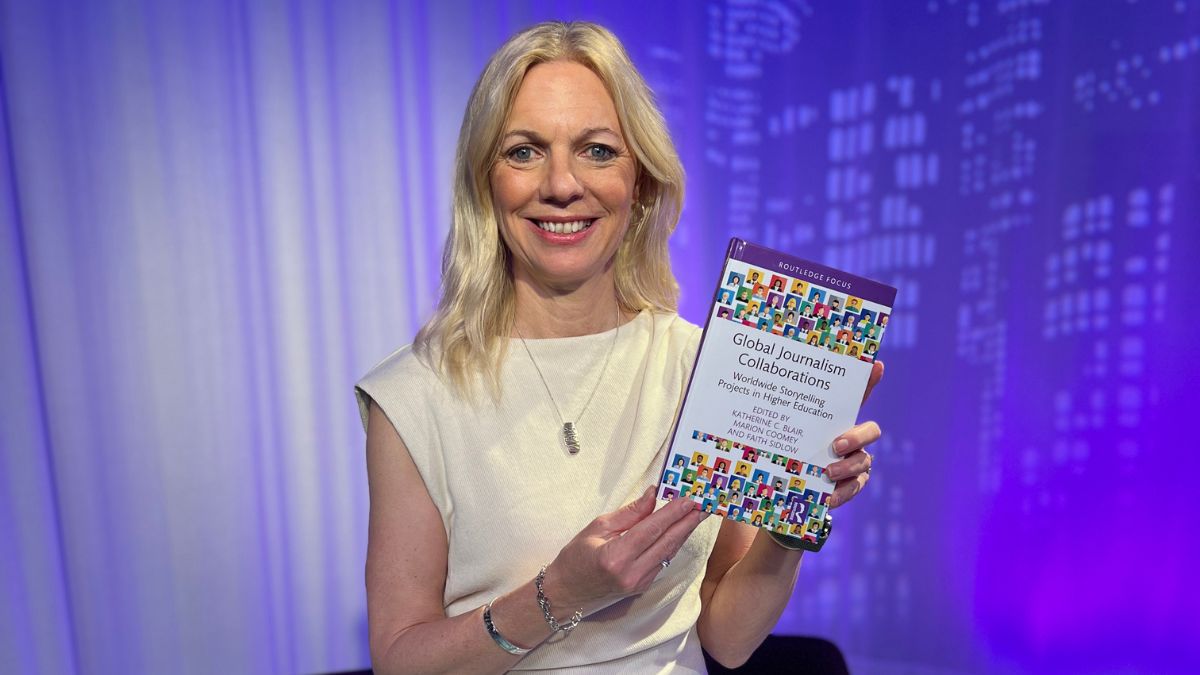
[216,215]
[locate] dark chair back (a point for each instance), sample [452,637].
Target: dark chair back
[789,654]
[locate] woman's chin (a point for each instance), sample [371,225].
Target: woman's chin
[566,278]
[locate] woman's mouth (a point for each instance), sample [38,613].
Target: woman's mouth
[558,227]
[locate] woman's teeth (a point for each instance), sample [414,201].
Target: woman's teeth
[564,228]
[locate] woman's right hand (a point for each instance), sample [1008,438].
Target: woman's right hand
[619,553]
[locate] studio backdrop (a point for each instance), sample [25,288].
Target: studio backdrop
[215,215]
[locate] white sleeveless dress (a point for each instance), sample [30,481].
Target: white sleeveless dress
[511,496]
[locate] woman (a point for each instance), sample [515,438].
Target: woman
[505,497]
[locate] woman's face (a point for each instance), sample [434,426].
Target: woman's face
[563,166]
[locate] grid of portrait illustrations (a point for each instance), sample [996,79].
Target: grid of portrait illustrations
[747,484]
[806,312]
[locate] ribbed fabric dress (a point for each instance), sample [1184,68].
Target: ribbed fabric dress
[511,496]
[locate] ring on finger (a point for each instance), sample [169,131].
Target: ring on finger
[665,562]
[870,461]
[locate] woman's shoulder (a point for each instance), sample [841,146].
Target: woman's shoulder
[392,382]
[680,328]
[403,365]
[673,333]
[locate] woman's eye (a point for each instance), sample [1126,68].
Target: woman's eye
[600,152]
[521,153]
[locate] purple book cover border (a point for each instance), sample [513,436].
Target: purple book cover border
[782,263]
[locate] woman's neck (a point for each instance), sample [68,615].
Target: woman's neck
[543,312]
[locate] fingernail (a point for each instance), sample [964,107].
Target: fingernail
[840,445]
[829,474]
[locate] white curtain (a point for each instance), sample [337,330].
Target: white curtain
[215,216]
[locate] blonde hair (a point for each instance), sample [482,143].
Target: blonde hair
[465,338]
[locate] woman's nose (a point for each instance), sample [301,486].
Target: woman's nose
[560,185]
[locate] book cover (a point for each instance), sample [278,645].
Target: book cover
[787,349]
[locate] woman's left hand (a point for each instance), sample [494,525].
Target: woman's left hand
[851,473]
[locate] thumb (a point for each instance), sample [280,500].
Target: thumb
[632,513]
[875,377]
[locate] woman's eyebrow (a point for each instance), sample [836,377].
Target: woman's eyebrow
[538,138]
[531,135]
[591,131]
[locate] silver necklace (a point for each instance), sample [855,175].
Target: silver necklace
[570,437]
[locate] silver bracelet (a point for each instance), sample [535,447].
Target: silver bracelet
[496,636]
[544,603]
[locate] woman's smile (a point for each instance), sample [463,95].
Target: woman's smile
[563,231]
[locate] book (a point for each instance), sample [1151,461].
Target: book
[784,360]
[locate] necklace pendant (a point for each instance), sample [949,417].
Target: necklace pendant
[571,439]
